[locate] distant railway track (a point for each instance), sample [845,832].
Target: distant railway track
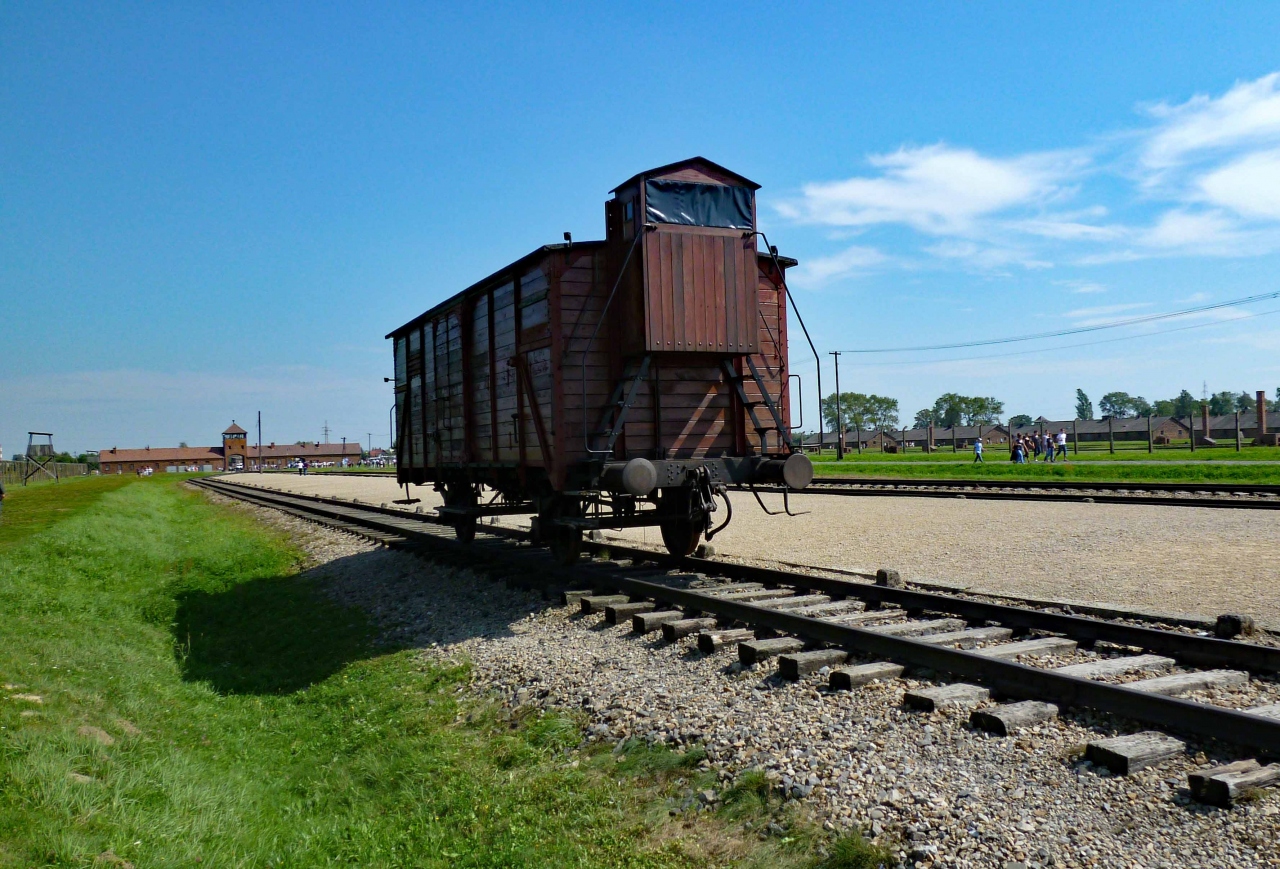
[1254,496]
[1189,494]
[858,631]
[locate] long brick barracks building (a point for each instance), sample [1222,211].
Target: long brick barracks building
[235,454]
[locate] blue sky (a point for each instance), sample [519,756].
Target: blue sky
[206,212]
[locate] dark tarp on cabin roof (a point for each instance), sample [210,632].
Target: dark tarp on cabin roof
[691,204]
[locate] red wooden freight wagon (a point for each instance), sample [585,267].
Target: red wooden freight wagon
[610,384]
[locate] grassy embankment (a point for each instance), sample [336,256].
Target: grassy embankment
[177,691]
[1165,465]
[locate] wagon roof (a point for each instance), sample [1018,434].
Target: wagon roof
[535,254]
[785,261]
[691,161]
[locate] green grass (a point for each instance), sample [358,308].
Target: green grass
[203,702]
[1088,453]
[1131,465]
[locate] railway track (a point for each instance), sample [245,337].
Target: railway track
[1224,495]
[853,632]
[1253,496]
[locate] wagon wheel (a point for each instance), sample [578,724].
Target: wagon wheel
[462,495]
[681,533]
[565,541]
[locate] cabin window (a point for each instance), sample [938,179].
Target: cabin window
[689,204]
[630,210]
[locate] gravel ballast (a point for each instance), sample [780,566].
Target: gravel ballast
[939,791]
[1172,561]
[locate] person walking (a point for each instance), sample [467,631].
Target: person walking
[977,451]
[1062,443]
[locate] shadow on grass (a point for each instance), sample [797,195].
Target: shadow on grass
[268,636]
[286,633]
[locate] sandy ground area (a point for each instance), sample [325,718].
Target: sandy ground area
[1168,560]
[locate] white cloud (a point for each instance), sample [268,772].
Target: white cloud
[1102,315]
[1067,230]
[851,260]
[1208,185]
[1082,288]
[1185,229]
[935,189]
[1249,186]
[985,256]
[1247,114]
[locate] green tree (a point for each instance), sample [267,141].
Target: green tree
[952,409]
[1245,402]
[859,411]
[1020,419]
[923,418]
[1222,402]
[1084,407]
[1122,405]
[1115,404]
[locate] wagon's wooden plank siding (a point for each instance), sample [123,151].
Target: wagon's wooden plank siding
[414,364]
[452,417]
[504,346]
[771,339]
[481,401]
[583,292]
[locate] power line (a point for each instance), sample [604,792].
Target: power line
[1131,321]
[1069,346]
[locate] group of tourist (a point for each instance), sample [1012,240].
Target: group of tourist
[1036,446]
[1039,447]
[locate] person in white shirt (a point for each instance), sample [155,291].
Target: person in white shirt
[1061,441]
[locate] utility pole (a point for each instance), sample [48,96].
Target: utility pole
[259,442]
[344,450]
[369,435]
[839,414]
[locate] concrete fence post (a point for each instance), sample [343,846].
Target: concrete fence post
[1111,436]
[1191,426]
[1075,438]
[1239,436]
[1151,441]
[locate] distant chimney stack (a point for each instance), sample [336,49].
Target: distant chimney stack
[1262,413]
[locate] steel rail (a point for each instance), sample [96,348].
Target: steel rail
[1090,485]
[1008,678]
[1190,648]
[1012,679]
[1201,651]
[991,493]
